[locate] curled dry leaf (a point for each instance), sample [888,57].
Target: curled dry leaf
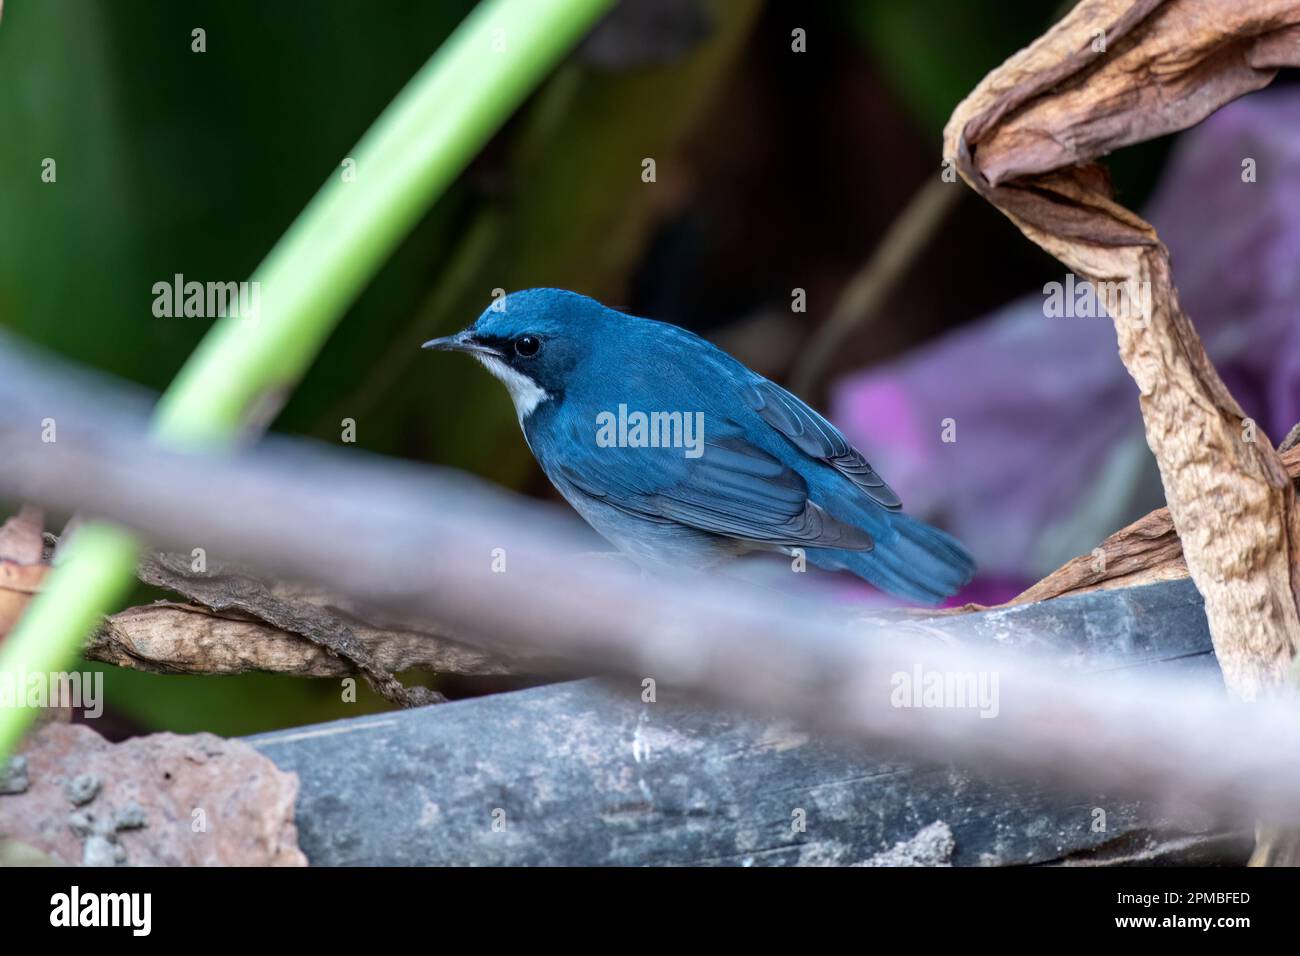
[1112,73]
[1115,72]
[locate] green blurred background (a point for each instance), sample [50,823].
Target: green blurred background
[775,170]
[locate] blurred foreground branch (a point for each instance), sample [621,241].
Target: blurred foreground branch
[227,629]
[415,546]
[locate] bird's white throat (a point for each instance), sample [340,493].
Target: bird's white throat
[524,392]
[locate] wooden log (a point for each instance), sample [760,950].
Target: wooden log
[587,773]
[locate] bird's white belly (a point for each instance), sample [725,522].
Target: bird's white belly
[651,543]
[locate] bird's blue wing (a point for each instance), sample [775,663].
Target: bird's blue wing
[817,438]
[734,488]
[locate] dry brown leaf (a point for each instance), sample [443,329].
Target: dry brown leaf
[186,639]
[1111,73]
[373,650]
[1016,140]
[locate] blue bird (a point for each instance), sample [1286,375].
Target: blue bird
[681,456]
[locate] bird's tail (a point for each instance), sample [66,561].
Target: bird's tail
[910,560]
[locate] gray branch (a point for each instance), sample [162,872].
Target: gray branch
[416,544]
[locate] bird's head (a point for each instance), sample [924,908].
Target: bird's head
[533,341]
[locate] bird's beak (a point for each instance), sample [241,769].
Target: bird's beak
[460,342]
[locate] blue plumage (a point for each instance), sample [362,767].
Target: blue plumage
[683,457]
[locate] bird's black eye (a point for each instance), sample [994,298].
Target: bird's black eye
[527,345]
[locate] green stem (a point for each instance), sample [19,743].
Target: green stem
[411,154]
